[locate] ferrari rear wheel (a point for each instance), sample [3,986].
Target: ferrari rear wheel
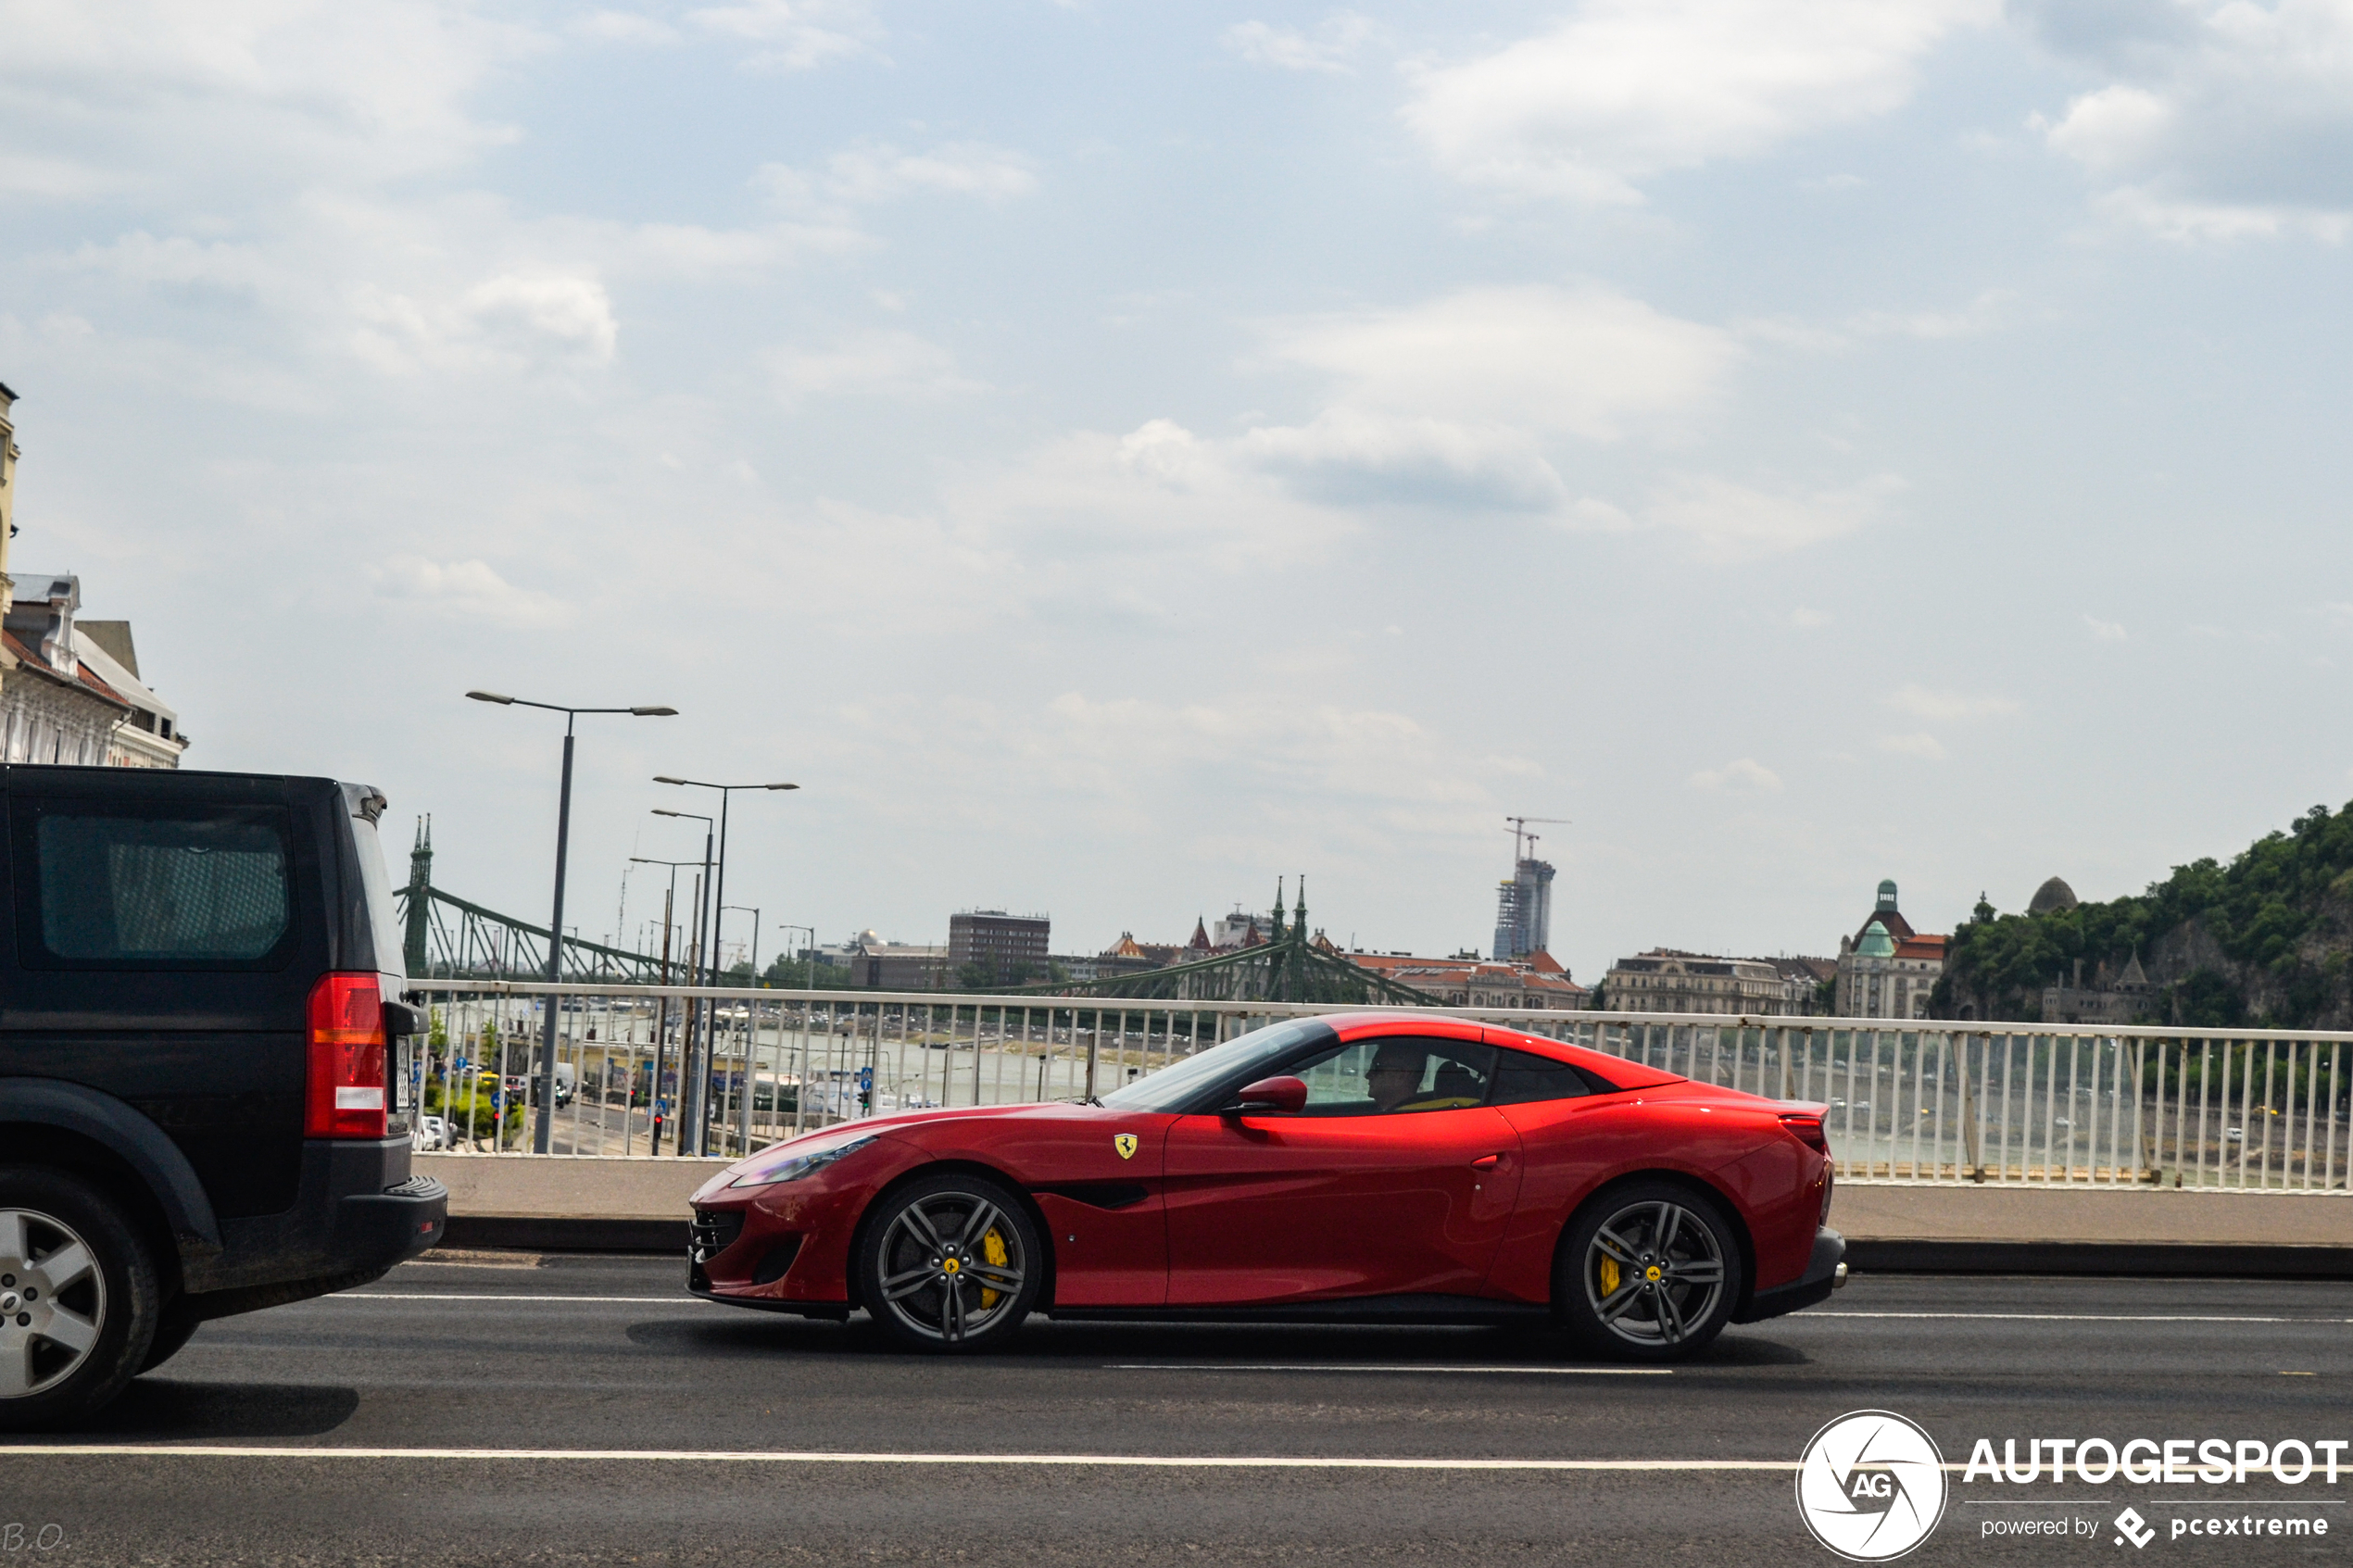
[1651,1272]
[950,1262]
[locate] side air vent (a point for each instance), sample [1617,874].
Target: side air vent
[779,1258]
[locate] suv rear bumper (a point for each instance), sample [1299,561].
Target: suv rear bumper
[358,1212]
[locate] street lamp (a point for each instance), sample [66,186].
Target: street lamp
[690,1086]
[661,1023]
[720,893]
[543,1141]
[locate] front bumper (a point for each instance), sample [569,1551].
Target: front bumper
[1825,1271]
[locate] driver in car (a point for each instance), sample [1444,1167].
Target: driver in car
[1395,1076]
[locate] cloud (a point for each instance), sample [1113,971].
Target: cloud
[2223,122]
[2103,631]
[1630,89]
[878,173]
[570,313]
[1349,455]
[870,363]
[1158,495]
[1741,773]
[217,96]
[179,261]
[791,35]
[1585,361]
[1945,707]
[464,590]
[1454,400]
[1289,743]
[1335,38]
[1807,619]
[1732,523]
[1165,454]
[1924,747]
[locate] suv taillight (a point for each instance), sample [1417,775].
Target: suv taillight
[1806,1129]
[346,1098]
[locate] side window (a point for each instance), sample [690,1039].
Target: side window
[1522,1077]
[131,887]
[1396,1077]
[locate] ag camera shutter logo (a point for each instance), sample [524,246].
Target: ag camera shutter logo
[1871,1486]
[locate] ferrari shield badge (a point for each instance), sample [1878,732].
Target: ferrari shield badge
[1126,1143]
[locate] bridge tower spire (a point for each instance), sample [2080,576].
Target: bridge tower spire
[412,946]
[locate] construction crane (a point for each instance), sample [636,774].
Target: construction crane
[1520,834]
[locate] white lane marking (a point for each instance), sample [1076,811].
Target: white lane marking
[678,1299]
[813,1457]
[2070,1317]
[758,1456]
[1351,1366]
[682,1298]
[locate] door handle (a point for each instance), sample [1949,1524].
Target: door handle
[1487,1162]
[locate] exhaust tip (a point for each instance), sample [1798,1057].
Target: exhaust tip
[1838,1277]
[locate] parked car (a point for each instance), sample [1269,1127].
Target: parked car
[204,1061]
[1355,1167]
[432,1134]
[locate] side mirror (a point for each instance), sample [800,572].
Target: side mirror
[1286,1096]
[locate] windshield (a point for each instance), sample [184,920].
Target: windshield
[1231,1065]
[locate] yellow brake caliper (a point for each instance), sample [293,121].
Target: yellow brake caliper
[1609,1276]
[992,1247]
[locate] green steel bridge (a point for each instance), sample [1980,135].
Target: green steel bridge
[447,937]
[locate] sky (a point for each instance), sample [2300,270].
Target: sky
[1114,455]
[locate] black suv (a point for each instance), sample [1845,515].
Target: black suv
[204,1067]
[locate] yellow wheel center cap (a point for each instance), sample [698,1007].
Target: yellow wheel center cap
[949,1267]
[1653,1274]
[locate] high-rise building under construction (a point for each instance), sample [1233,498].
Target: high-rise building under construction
[1523,910]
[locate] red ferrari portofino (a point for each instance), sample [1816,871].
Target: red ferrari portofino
[1355,1167]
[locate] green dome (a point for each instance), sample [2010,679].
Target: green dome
[1876,943]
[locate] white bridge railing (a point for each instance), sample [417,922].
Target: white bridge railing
[1999,1104]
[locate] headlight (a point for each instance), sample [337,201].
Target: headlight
[798,1165]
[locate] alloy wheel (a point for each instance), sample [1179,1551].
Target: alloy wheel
[53,1302]
[953,1265]
[1655,1274]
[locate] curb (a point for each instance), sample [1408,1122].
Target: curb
[2174,1259]
[534,1233]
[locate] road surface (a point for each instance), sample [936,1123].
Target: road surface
[668,1430]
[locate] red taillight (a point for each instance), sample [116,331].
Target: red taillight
[346,1099]
[1806,1128]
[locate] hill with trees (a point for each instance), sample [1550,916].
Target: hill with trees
[2263,942]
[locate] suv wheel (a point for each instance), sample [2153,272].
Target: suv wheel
[950,1262]
[78,1299]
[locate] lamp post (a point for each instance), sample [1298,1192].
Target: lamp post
[689,1085]
[543,1139]
[719,894]
[662,1021]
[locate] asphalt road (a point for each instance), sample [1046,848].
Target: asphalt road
[612,1376]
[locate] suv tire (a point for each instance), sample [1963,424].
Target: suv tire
[80,1298]
[1648,1272]
[931,1252]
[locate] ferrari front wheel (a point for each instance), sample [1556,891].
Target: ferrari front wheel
[1650,1272]
[950,1262]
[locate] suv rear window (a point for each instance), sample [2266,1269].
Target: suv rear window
[128,887]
